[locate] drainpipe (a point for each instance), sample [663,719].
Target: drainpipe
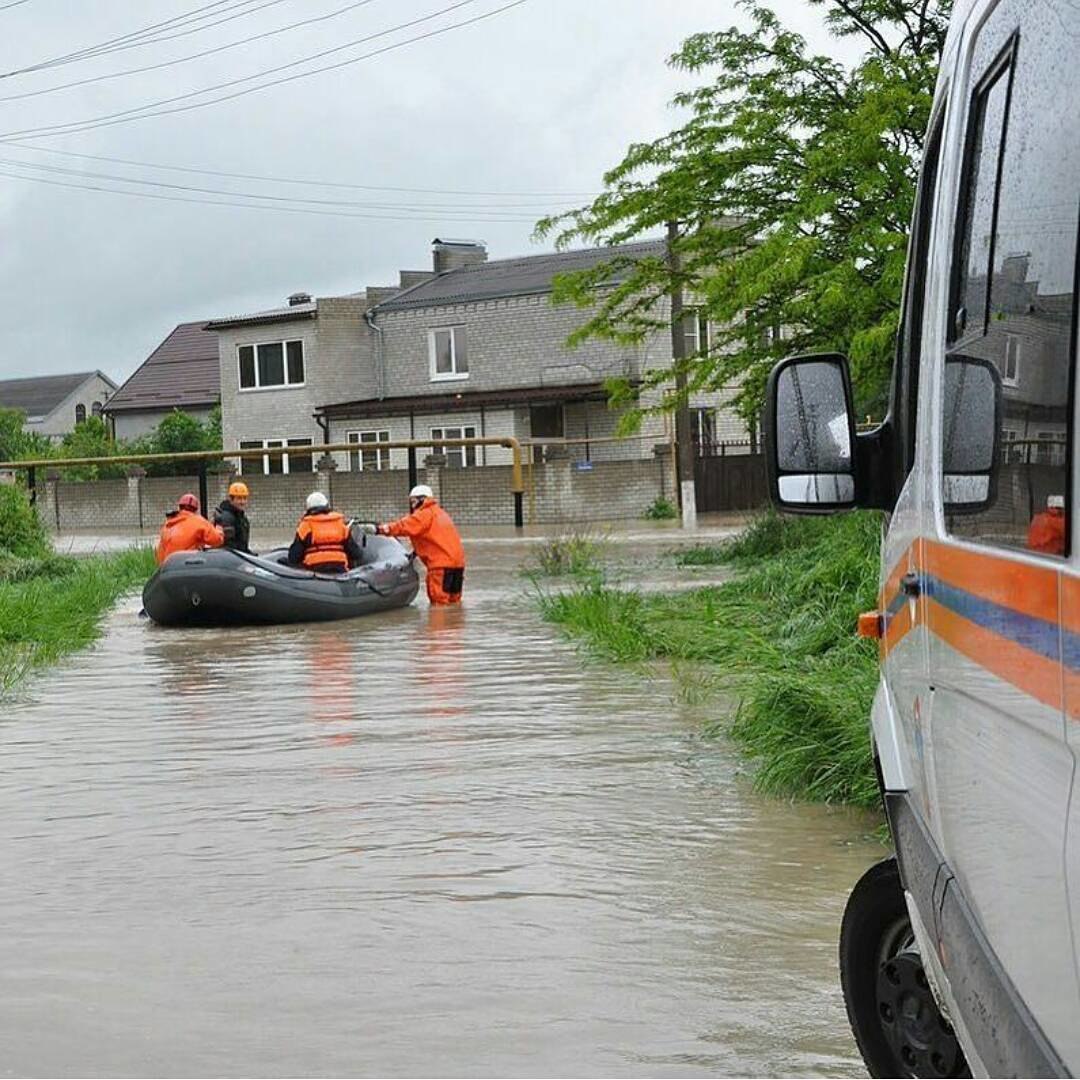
[380,367]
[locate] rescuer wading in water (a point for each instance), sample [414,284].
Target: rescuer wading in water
[436,542]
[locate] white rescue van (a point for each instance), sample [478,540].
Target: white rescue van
[961,953]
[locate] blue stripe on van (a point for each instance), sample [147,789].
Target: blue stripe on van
[1037,635]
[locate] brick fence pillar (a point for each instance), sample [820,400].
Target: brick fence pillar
[326,466]
[49,506]
[135,476]
[662,453]
[433,470]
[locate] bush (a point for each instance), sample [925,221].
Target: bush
[180,433]
[661,509]
[21,531]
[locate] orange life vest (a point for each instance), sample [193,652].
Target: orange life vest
[324,536]
[185,531]
[1047,532]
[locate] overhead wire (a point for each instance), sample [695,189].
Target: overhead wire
[14,3]
[495,209]
[145,35]
[569,195]
[151,109]
[184,59]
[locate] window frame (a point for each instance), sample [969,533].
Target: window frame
[433,354]
[1011,339]
[255,346]
[276,443]
[371,446]
[80,413]
[1002,66]
[465,451]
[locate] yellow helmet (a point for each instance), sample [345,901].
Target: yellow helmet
[239,489]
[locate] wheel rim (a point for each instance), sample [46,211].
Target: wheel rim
[919,1035]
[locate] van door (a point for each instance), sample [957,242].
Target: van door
[993,564]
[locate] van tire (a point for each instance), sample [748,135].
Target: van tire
[876,932]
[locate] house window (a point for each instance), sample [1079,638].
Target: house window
[371,456]
[80,413]
[704,428]
[447,352]
[695,332]
[1010,452]
[270,364]
[95,409]
[1011,374]
[457,457]
[277,463]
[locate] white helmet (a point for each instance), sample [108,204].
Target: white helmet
[421,491]
[317,501]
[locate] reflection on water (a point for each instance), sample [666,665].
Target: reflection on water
[430,841]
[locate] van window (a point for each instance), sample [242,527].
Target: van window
[1014,275]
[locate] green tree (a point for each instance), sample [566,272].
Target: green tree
[792,183]
[91,439]
[15,442]
[180,433]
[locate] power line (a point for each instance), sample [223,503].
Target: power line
[435,219]
[558,195]
[185,59]
[14,3]
[496,211]
[78,53]
[111,119]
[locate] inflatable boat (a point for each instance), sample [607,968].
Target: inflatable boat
[222,587]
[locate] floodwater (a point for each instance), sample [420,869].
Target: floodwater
[432,842]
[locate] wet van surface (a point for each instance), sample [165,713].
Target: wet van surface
[432,841]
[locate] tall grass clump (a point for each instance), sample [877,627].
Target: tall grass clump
[56,605]
[21,531]
[780,637]
[577,553]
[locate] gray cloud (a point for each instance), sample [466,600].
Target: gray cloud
[542,98]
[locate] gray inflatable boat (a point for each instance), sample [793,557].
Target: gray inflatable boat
[220,587]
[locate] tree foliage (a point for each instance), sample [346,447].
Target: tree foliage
[179,433]
[16,443]
[792,183]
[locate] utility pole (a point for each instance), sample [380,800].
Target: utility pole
[684,430]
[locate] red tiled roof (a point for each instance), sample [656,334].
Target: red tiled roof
[182,372]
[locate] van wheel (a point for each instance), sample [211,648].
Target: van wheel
[897,1024]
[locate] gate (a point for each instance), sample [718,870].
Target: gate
[730,476]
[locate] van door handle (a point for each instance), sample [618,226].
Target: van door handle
[909,584]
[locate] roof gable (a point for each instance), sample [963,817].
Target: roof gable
[182,372]
[41,394]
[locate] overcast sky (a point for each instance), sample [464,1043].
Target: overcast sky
[539,98]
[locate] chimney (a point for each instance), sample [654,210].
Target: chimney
[1014,267]
[454,254]
[299,298]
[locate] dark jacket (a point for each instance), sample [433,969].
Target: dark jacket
[298,548]
[235,525]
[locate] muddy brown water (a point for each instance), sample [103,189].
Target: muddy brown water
[433,842]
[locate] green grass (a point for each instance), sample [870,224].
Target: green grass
[51,605]
[577,553]
[780,637]
[661,509]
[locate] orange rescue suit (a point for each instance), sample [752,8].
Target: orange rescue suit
[186,531]
[324,536]
[1047,532]
[437,545]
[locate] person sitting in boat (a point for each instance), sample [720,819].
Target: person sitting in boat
[231,515]
[436,542]
[185,529]
[323,540]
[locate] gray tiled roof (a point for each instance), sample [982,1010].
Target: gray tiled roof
[511,277]
[284,314]
[39,395]
[182,372]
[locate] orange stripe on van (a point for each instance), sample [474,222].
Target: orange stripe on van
[1030,590]
[1033,674]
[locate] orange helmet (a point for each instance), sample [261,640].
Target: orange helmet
[239,488]
[187,501]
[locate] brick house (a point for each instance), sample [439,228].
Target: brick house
[470,348]
[54,404]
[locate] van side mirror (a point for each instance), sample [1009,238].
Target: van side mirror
[809,433]
[971,434]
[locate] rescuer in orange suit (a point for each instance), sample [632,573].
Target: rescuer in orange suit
[436,542]
[1046,532]
[323,541]
[185,529]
